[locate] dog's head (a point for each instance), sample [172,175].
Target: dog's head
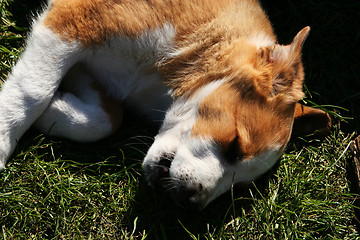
[230,130]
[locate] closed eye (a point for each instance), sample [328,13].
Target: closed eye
[232,153]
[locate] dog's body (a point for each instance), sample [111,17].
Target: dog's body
[233,89]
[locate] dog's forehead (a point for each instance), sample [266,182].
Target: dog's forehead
[262,128]
[255,126]
[216,116]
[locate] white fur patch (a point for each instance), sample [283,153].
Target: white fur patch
[243,172]
[262,40]
[76,114]
[31,85]
[198,162]
[122,67]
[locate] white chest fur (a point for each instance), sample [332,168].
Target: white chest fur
[126,67]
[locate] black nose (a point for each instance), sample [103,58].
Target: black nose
[163,168]
[164,165]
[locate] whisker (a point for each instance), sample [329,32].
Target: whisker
[169,187]
[136,160]
[138,150]
[139,137]
[159,110]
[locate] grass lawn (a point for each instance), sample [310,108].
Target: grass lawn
[57,189]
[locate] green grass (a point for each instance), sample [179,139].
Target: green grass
[58,189]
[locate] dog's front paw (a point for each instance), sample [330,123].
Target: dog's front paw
[6,149]
[2,166]
[3,160]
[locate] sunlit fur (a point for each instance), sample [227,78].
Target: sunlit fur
[214,67]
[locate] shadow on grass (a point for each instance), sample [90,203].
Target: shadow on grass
[125,148]
[162,218]
[154,211]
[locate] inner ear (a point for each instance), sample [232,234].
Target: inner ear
[299,40]
[289,52]
[265,54]
[278,54]
[286,67]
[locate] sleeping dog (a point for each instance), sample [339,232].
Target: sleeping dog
[229,91]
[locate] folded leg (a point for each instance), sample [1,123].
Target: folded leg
[32,84]
[80,110]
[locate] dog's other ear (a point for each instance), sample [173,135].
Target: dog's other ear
[287,74]
[282,54]
[308,120]
[298,42]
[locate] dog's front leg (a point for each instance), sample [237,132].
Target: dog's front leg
[31,85]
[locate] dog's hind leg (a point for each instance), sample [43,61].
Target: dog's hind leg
[80,110]
[32,84]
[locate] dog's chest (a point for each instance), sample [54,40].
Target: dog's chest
[127,68]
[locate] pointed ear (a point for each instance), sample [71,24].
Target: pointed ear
[299,40]
[280,53]
[285,68]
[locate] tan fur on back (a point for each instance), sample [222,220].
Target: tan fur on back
[91,22]
[201,27]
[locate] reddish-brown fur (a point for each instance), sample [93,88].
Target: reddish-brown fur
[92,22]
[255,107]
[257,125]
